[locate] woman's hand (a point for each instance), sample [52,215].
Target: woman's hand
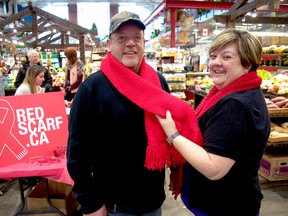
[167,124]
[40,90]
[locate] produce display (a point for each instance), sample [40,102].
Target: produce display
[264,74]
[274,56]
[278,130]
[9,79]
[274,49]
[203,85]
[277,84]
[58,79]
[277,102]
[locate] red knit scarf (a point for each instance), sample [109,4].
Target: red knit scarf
[145,91]
[247,81]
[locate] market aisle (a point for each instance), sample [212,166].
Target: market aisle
[172,207]
[275,201]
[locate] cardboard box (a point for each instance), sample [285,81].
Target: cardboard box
[61,197]
[274,167]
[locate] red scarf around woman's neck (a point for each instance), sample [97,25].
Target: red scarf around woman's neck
[145,91]
[247,81]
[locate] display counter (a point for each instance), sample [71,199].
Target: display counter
[54,171]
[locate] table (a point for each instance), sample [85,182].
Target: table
[56,171]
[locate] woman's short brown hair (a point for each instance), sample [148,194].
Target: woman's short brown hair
[248,46]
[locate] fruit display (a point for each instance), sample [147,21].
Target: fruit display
[203,85]
[88,69]
[273,49]
[285,61]
[8,81]
[58,79]
[278,84]
[274,57]
[264,74]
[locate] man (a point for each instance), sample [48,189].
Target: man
[115,164]
[33,59]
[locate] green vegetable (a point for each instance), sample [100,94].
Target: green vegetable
[264,74]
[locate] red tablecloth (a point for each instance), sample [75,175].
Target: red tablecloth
[55,171]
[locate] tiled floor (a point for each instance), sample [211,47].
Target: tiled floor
[275,202]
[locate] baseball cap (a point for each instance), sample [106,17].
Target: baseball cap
[122,17]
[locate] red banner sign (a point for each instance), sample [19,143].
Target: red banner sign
[31,126]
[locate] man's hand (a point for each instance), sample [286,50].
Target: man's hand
[101,212]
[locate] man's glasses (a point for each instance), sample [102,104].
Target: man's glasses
[125,39]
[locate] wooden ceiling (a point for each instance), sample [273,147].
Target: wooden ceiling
[46,30]
[270,12]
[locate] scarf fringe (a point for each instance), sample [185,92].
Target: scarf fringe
[176,157]
[156,157]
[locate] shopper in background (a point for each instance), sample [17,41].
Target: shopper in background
[2,90]
[33,59]
[32,82]
[73,75]
[222,177]
[34,78]
[117,150]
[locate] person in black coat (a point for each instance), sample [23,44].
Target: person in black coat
[33,59]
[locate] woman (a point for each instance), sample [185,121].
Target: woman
[221,178]
[74,74]
[32,82]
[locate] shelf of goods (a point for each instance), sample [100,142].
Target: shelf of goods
[274,163]
[274,59]
[97,56]
[173,71]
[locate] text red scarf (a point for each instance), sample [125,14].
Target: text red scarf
[145,91]
[247,81]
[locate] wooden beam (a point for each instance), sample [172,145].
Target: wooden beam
[247,8]
[51,41]
[14,18]
[274,5]
[28,37]
[225,19]
[51,46]
[40,19]
[22,22]
[267,20]
[65,24]
[222,18]
[45,37]
[82,48]
[34,24]
[238,4]
[59,46]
